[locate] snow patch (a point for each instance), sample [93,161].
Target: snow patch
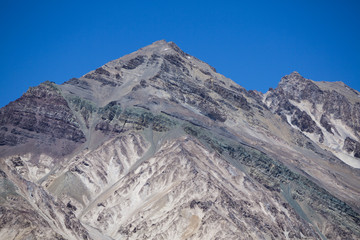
[288,119]
[348,159]
[332,142]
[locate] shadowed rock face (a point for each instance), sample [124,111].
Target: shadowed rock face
[158,145]
[42,117]
[352,146]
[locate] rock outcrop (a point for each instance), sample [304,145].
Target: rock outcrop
[328,113]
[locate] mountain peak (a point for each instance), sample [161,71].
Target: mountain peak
[163,42]
[162,47]
[158,45]
[160,42]
[292,77]
[295,73]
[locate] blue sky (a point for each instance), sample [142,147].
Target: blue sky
[254,43]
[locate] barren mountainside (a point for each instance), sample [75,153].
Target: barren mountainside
[158,145]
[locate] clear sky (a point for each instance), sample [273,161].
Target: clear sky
[254,43]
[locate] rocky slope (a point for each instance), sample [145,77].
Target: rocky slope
[328,113]
[158,145]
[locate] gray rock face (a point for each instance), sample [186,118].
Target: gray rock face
[328,112]
[158,145]
[352,146]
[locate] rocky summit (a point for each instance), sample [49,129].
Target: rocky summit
[158,145]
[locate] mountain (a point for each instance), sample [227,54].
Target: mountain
[328,113]
[158,145]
